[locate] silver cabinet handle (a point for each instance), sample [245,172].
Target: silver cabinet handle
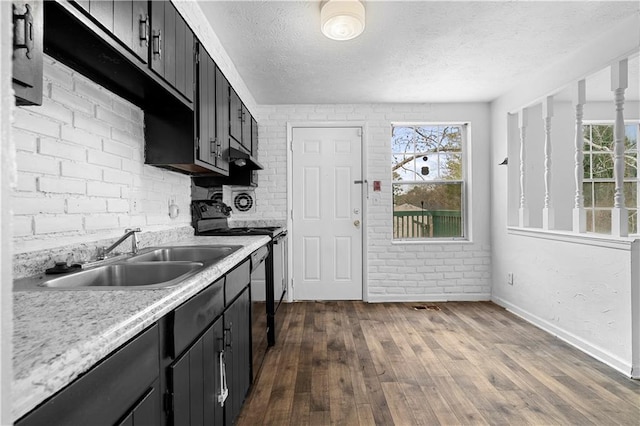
[26,30]
[143,29]
[157,43]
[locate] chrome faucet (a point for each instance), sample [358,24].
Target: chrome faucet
[129,232]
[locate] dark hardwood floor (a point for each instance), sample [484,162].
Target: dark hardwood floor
[352,363]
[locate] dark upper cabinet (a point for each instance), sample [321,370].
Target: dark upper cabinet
[235,116]
[131,26]
[240,121]
[102,10]
[213,144]
[127,20]
[254,137]
[222,119]
[172,47]
[27,52]
[245,118]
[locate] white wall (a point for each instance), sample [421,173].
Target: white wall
[81,172]
[396,271]
[583,290]
[7,176]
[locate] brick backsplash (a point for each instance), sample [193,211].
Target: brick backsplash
[394,271]
[81,171]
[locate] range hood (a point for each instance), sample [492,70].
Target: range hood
[239,156]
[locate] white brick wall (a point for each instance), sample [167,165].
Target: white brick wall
[81,172]
[395,271]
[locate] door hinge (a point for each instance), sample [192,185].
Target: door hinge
[291,214]
[168,402]
[291,145]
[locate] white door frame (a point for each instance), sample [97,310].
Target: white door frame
[365,195]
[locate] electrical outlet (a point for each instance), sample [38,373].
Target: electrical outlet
[510,278]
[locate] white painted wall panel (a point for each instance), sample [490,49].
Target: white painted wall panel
[579,291]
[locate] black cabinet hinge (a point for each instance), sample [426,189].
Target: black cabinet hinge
[168,402]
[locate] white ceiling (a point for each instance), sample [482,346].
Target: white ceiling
[410,51]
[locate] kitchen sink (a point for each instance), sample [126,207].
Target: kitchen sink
[204,254]
[157,267]
[127,276]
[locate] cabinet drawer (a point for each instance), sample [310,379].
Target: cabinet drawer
[237,279]
[109,391]
[196,314]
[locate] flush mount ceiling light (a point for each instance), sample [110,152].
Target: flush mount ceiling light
[342,19]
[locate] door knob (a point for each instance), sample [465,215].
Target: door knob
[356,223]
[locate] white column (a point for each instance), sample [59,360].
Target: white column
[548,221]
[579,214]
[523,211]
[619,213]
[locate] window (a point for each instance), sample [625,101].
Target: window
[599,184]
[427,163]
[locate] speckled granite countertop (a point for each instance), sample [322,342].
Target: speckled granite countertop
[60,334]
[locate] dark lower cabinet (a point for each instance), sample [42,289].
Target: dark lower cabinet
[209,381]
[193,367]
[197,385]
[146,411]
[123,389]
[237,329]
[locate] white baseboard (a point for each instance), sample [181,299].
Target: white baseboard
[439,297]
[594,351]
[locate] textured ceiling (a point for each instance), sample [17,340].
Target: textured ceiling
[421,51]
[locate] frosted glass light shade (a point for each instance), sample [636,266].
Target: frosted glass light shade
[342,19]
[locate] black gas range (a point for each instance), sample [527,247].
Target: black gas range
[210,218]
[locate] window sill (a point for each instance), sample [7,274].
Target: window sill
[599,240]
[431,241]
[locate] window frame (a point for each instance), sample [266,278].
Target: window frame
[592,181]
[464,182]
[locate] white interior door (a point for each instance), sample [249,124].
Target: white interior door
[327,213]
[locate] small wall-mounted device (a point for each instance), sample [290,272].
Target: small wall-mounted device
[376,185]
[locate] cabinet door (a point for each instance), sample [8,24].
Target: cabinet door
[169,36]
[196,381]
[117,387]
[208,148]
[237,328]
[27,52]
[254,137]
[246,128]
[158,37]
[235,116]
[184,58]
[102,11]
[147,411]
[222,120]
[131,26]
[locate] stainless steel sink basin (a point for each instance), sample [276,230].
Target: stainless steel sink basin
[204,254]
[159,267]
[126,276]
